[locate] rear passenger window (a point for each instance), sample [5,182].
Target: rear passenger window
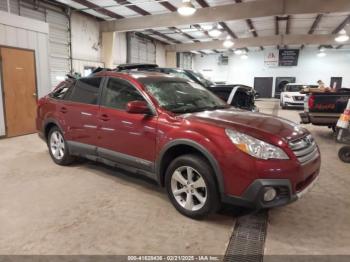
[118,93]
[86,90]
[63,90]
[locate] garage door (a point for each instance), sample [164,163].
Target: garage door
[59,45]
[140,49]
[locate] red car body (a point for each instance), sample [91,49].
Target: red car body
[152,142]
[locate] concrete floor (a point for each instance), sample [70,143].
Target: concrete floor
[93,209]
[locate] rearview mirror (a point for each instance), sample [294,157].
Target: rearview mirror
[138,107]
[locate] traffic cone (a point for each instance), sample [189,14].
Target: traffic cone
[344,119]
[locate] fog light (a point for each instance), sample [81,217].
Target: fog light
[270,194]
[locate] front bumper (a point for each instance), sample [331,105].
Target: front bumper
[253,196]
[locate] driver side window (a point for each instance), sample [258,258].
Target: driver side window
[118,93]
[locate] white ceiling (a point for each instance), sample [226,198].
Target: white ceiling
[265,26]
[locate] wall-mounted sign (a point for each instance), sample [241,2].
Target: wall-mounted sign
[288,57]
[271,58]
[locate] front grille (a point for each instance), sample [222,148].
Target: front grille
[298,98]
[305,149]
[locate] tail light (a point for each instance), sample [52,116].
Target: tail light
[311,101]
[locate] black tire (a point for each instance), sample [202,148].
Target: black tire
[344,154]
[202,168]
[64,160]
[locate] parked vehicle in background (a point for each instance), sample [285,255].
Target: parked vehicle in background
[202,150]
[324,109]
[291,96]
[240,96]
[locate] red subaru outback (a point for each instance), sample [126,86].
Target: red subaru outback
[178,133]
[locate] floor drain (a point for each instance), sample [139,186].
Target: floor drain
[248,239]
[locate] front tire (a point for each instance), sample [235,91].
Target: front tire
[58,147]
[191,186]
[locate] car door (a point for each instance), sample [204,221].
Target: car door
[80,110]
[124,137]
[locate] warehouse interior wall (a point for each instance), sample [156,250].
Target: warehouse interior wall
[22,32]
[310,67]
[86,43]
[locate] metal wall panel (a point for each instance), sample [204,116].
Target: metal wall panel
[30,12]
[141,50]
[28,39]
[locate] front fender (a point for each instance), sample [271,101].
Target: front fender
[200,143]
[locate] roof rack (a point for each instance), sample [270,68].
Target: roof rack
[135,66]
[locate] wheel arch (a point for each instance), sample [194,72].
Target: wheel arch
[49,124]
[176,148]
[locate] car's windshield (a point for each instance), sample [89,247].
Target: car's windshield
[184,97]
[201,78]
[294,88]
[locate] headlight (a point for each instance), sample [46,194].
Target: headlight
[287,96]
[255,147]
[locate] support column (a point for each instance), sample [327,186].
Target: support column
[170,59]
[108,49]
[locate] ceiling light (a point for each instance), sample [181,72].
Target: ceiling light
[321,54]
[186,8]
[207,27]
[215,32]
[238,51]
[342,36]
[228,42]
[244,56]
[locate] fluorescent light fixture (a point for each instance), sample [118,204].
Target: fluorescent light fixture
[321,54]
[342,36]
[238,51]
[228,42]
[186,8]
[207,27]
[215,32]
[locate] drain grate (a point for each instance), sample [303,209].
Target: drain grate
[248,239]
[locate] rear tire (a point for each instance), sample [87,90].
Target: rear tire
[191,187]
[344,154]
[58,147]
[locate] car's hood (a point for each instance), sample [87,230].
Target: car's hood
[293,93]
[262,126]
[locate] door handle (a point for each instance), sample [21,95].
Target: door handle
[63,110]
[104,117]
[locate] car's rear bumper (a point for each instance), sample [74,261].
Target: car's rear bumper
[325,119]
[253,197]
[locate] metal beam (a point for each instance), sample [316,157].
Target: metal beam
[99,9]
[280,40]
[315,24]
[342,25]
[229,12]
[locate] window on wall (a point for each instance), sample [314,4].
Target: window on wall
[86,90]
[118,93]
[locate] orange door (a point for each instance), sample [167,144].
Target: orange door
[19,86]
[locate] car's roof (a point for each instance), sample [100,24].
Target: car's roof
[143,76]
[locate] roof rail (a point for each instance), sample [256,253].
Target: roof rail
[135,66]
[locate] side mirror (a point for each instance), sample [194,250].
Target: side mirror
[138,107]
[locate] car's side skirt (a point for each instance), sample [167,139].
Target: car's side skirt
[112,158]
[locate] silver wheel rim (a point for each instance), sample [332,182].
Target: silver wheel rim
[57,145]
[188,188]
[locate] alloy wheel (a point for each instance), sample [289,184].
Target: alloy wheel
[189,188]
[57,145]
